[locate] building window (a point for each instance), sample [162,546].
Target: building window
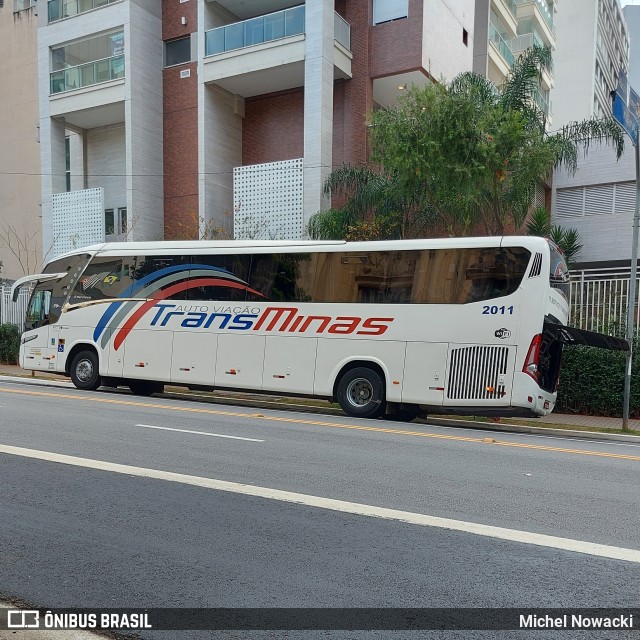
[115,223]
[108,222]
[122,220]
[21,5]
[388,10]
[465,37]
[87,62]
[177,51]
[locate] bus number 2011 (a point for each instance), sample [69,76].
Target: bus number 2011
[495,310]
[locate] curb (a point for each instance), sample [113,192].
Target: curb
[259,401]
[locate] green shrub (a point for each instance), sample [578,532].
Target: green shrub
[9,344]
[592,382]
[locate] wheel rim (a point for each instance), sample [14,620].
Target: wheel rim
[359,392]
[84,370]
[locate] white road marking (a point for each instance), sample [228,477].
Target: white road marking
[513,535]
[199,433]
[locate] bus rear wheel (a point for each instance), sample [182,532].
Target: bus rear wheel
[361,393]
[145,387]
[84,371]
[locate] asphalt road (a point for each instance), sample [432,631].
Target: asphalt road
[217,506]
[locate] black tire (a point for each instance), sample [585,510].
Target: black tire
[145,387]
[361,393]
[84,371]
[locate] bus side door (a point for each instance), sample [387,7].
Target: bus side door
[193,359]
[424,373]
[289,364]
[240,361]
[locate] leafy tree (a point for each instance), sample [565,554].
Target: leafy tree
[466,156]
[567,239]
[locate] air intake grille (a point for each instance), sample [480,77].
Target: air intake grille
[536,266]
[477,373]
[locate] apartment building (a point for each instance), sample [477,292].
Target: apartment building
[195,118]
[506,28]
[599,199]
[20,243]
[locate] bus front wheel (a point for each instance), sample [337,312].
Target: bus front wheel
[361,393]
[84,371]
[145,387]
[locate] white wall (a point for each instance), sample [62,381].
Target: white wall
[106,164]
[220,124]
[443,53]
[144,120]
[574,61]
[19,151]
[605,236]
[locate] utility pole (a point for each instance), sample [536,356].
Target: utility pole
[626,111]
[631,306]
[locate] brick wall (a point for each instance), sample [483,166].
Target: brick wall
[172,13]
[273,127]
[387,57]
[180,128]
[180,137]
[353,99]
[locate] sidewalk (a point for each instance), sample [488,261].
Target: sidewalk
[590,422]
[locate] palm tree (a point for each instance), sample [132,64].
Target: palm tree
[568,240]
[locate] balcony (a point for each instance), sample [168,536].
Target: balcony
[88,74]
[501,44]
[542,101]
[266,53]
[274,26]
[526,41]
[60,9]
[267,28]
[22,5]
[541,10]
[506,11]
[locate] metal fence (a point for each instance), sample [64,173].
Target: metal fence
[13,312]
[598,300]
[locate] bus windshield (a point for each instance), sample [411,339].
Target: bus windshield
[48,297]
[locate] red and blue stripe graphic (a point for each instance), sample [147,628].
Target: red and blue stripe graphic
[160,285]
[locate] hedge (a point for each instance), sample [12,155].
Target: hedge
[9,344]
[592,382]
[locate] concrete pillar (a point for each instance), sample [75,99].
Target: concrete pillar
[318,104]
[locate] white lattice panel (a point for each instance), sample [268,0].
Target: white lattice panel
[77,219]
[267,201]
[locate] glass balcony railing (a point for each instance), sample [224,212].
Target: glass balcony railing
[511,5]
[87,74]
[342,31]
[59,9]
[542,101]
[501,44]
[545,10]
[21,5]
[526,41]
[273,26]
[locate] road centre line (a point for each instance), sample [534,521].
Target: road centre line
[321,423]
[342,506]
[199,433]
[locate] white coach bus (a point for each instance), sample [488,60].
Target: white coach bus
[464,325]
